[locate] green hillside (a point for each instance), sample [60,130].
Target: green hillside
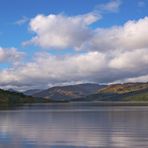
[8,98]
[138,97]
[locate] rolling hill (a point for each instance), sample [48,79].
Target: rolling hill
[124,88]
[121,92]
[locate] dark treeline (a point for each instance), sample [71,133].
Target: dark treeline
[8,98]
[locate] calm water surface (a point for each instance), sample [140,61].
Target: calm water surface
[74,126]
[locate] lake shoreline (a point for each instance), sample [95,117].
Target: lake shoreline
[113,103]
[94,103]
[97,103]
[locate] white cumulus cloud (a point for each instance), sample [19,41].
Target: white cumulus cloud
[132,35]
[60,31]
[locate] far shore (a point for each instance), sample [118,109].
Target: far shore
[97,103]
[115,103]
[93,103]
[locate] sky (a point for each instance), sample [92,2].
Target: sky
[61,42]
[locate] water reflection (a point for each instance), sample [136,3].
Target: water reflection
[74,127]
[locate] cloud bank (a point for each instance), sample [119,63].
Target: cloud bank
[115,54]
[11,55]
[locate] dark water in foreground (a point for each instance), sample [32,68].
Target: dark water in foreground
[74,126]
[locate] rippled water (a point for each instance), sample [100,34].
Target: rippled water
[74,126]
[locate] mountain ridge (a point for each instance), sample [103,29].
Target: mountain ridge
[81,92]
[69,92]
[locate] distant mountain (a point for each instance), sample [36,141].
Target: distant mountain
[12,90]
[69,92]
[80,92]
[32,91]
[120,92]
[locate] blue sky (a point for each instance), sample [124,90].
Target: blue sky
[12,11]
[15,29]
